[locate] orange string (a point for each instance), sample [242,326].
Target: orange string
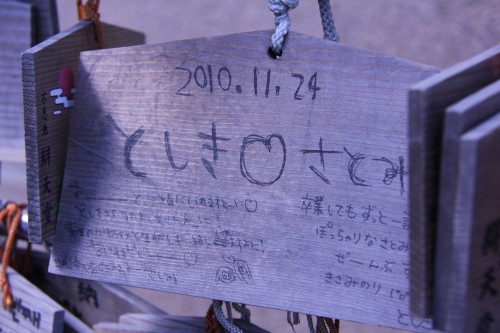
[212,325]
[12,213]
[90,11]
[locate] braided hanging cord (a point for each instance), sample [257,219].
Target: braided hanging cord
[224,322]
[90,11]
[242,309]
[327,325]
[282,22]
[211,323]
[325,11]
[12,213]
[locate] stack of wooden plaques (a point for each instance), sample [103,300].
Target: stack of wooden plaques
[455,196]
[51,303]
[49,73]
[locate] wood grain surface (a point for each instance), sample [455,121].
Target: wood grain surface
[47,21]
[49,71]
[32,311]
[428,101]
[459,118]
[90,301]
[16,24]
[207,167]
[475,281]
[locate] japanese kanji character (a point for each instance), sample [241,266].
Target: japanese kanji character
[46,183]
[78,189]
[486,287]
[87,294]
[45,129]
[45,156]
[307,203]
[328,277]
[318,205]
[492,237]
[47,213]
[485,322]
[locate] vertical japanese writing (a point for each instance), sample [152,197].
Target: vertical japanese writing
[45,157]
[488,289]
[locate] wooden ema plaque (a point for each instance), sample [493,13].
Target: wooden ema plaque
[49,71]
[474,289]
[23,24]
[88,300]
[205,167]
[32,311]
[459,118]
[16,24]
[428,101]
[150,323]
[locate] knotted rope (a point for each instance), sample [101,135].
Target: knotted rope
[223,321]
[90,11]
[282,22]
[212,325]
[242,309]
[326,325]
[12,214]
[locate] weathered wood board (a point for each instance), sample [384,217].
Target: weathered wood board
[165,321]
[74,325]
[206,167]
[127,328]
[46,23]
[428,101]
[16,25]
[49,71]
[459,118]
[32,310]
[89,301]
[169,322]
[475,283]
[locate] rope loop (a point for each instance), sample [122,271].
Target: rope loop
[12,215]
[224,322]
[90,12]
[212,325]
[282,21]
[242,309]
